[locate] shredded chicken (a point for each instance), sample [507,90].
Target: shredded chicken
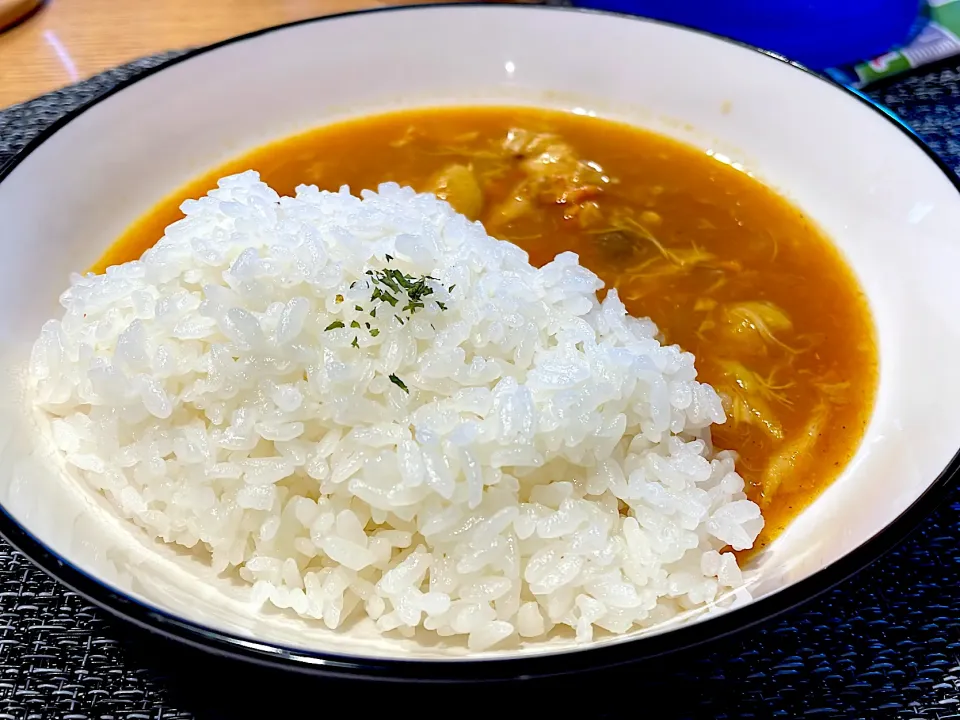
[756,324]
[751,397]
[793,455]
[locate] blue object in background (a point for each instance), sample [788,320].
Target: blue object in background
[815,33]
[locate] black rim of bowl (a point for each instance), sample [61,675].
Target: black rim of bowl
[225,644]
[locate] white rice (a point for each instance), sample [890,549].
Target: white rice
[550,465]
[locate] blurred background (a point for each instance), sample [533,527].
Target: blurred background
[47,44]
[63,41]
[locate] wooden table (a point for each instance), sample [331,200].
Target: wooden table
[69,40]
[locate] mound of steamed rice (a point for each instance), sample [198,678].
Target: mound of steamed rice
[515,456]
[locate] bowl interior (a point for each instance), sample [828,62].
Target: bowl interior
[886,204]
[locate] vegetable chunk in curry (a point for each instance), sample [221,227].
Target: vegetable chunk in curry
[726,268]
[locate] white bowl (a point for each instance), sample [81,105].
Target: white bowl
[888,203]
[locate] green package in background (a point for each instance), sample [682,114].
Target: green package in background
[937,39]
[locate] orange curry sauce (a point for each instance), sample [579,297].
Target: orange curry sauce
[726,268]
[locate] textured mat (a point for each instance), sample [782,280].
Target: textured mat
[883,645]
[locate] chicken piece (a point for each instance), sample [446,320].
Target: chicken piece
[590,215]
[793,455]
[755,325]
[751,397]
[553,175]
[836,393]
[458,185]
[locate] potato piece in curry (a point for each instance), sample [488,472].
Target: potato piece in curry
[726,268]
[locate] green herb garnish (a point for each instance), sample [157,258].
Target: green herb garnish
[399,283]
[398,290]
[333,326]
[399,383]
[385,277]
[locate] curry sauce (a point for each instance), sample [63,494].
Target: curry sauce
[727,269]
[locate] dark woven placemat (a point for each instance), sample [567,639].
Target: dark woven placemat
[885,644]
